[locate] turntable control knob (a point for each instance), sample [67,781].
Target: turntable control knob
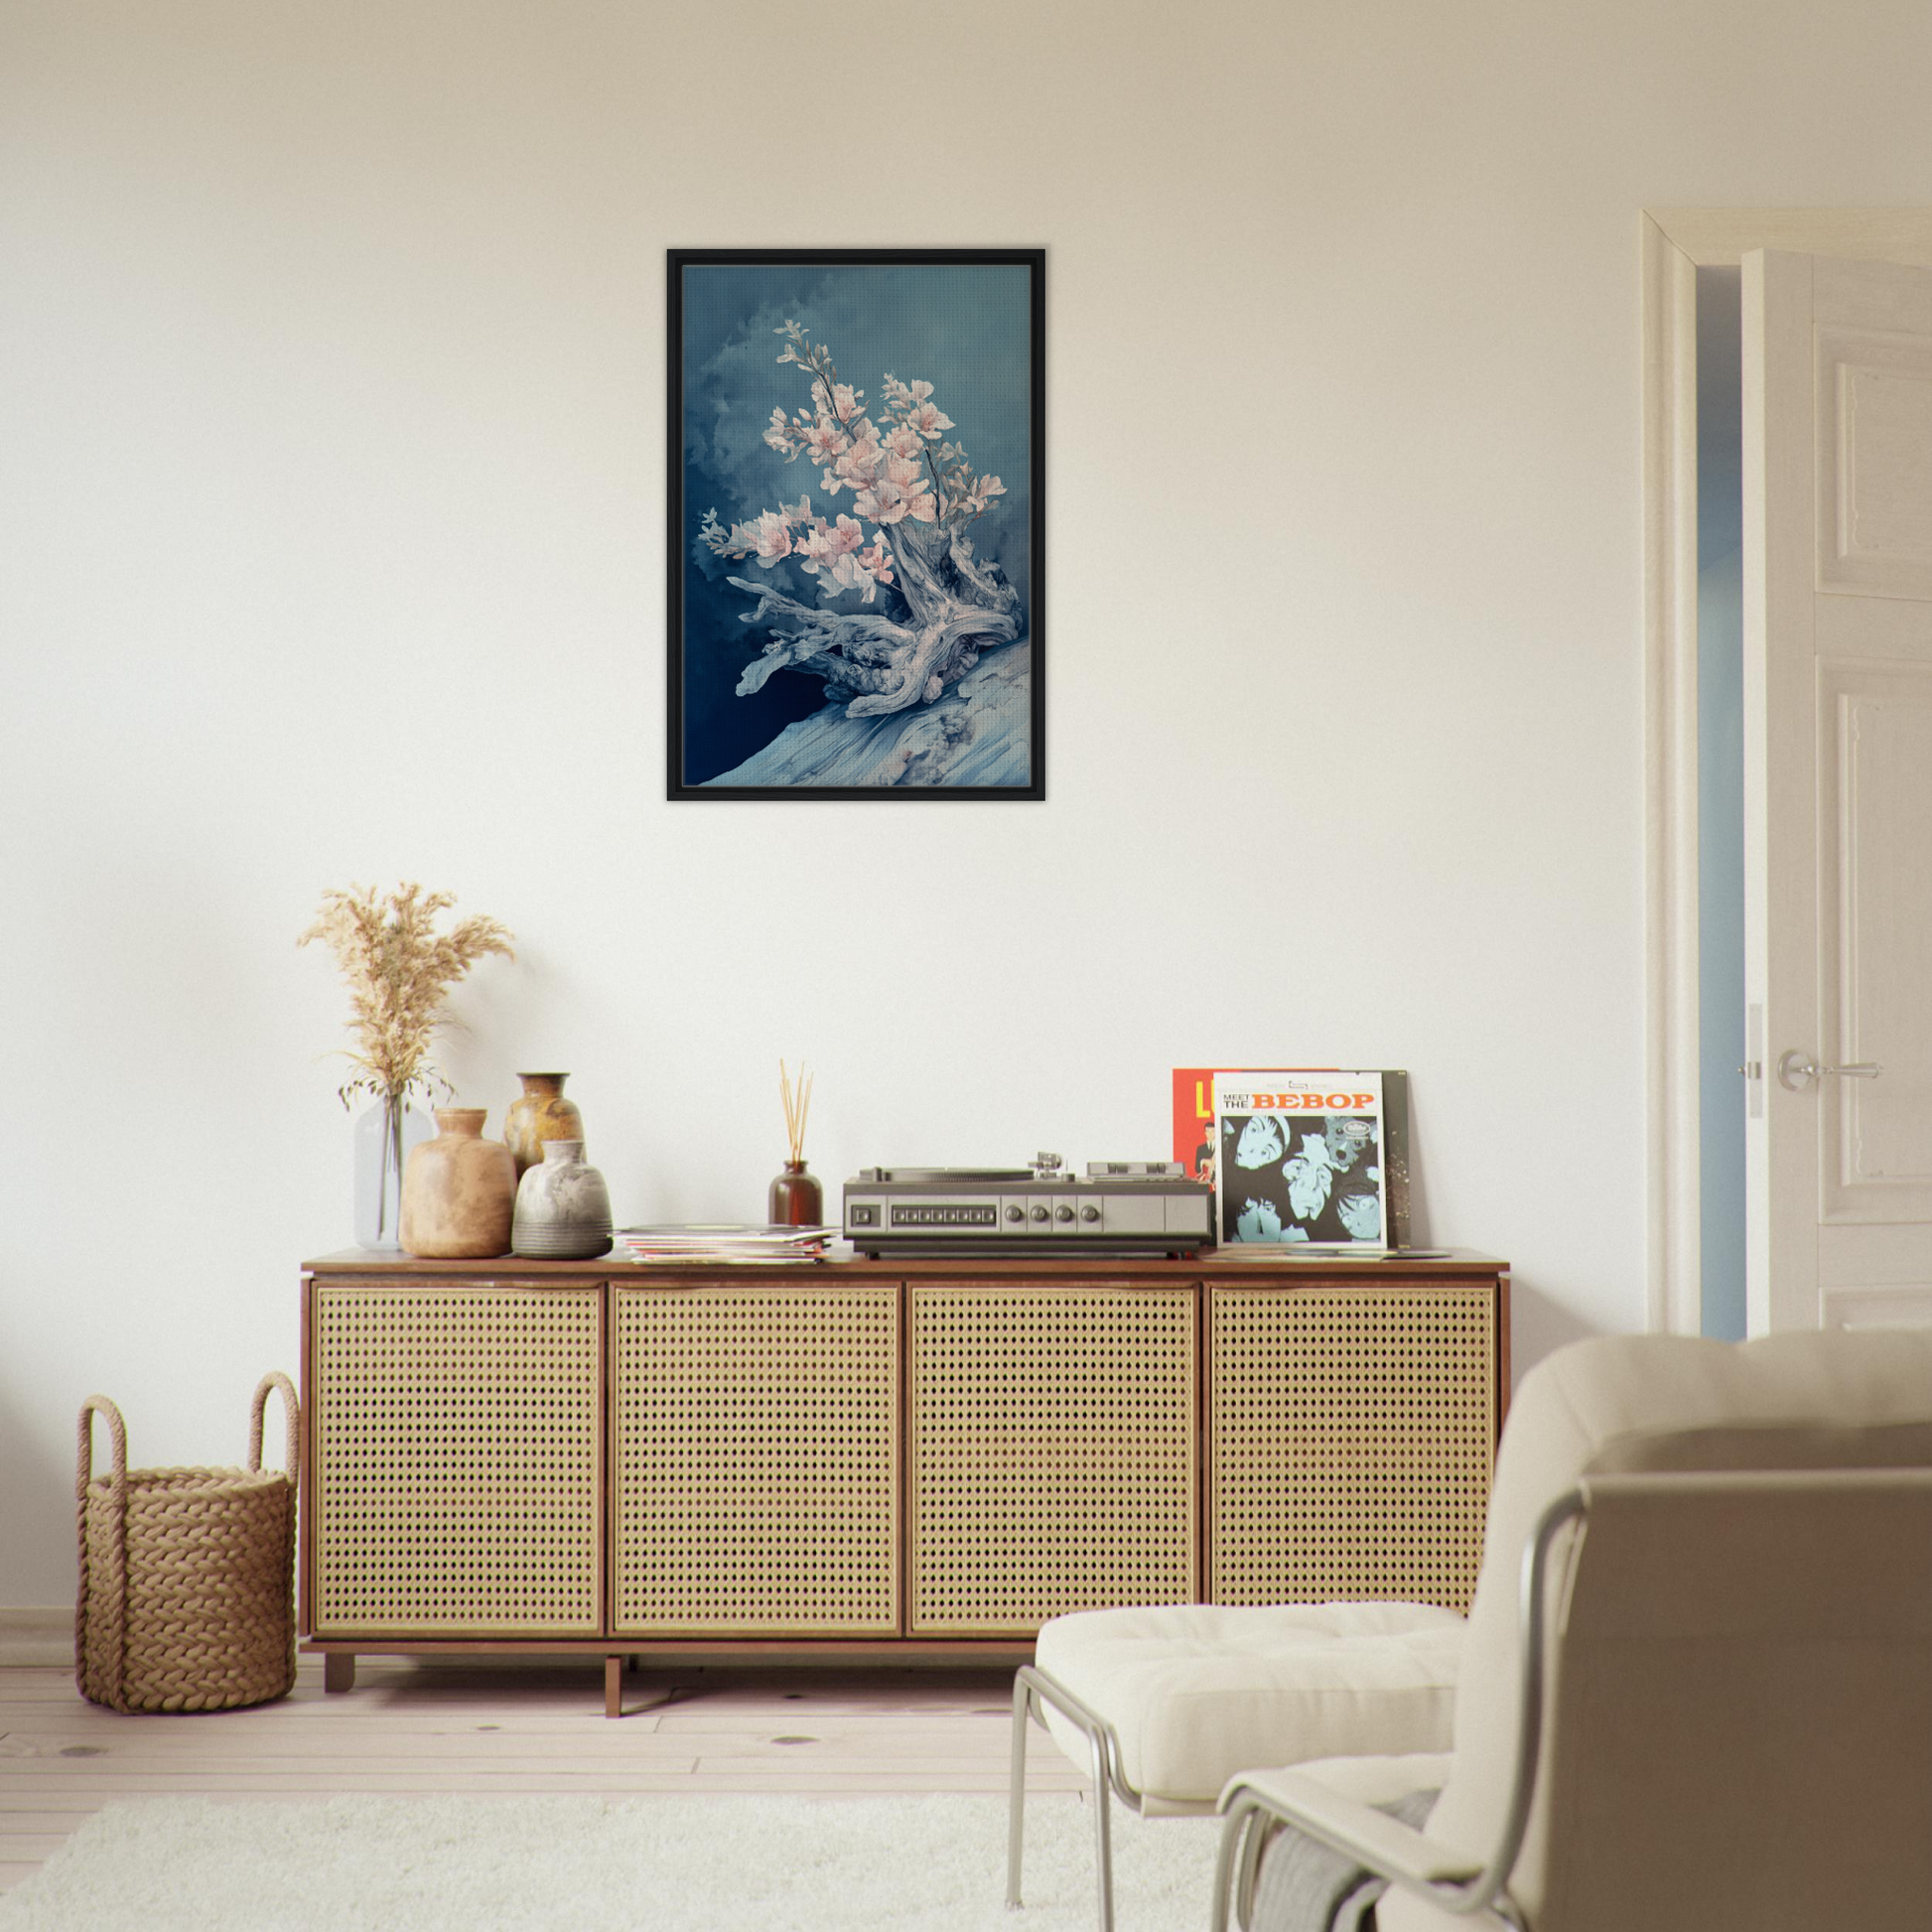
[1039,1213]
[1089,1214]
[1015,1212]
[1063,1213]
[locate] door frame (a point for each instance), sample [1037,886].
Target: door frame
[1676,242]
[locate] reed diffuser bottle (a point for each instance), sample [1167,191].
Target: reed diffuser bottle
[795,1199]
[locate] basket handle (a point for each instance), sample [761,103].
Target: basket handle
[118,1432]
[291,1409]
[112,1642]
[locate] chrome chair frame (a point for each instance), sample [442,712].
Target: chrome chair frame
[1253,1816]
[1031,1689]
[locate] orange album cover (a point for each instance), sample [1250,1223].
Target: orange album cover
[1193,1112]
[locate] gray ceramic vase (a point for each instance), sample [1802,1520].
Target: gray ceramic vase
[563,1208]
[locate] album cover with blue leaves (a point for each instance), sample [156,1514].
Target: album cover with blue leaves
[1313,1157]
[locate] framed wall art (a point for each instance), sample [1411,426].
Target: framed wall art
[856,523]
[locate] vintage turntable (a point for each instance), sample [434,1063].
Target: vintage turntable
[1128,1207]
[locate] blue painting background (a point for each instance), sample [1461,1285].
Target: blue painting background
[962,327]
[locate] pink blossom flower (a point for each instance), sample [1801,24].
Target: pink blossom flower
[773,539]
[974,499]
[884,500]
[828,546]
[845,401]
[905,441]
[854,574]
[838,577]
[813,549]
[779,435]
[900,493]
[918,391]
[825,441]
[858,465]
[927,417]
[878,561]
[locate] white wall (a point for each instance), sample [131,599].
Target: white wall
[331,449]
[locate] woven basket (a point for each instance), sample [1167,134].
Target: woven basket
[186,1599]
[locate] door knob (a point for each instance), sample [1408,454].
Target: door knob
[1797,1070]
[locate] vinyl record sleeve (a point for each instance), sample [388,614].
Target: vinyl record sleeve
[1198,1149]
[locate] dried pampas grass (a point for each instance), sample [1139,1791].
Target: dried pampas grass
[398,968]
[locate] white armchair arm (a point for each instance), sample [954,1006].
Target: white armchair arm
[1257,1801]
[1372,1838]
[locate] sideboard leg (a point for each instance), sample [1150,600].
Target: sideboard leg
[614,1686]
[339,1670]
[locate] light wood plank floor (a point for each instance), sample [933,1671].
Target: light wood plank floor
[511,1728]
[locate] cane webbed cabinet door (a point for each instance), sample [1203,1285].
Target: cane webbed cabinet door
[1052,1440]
[457,1445]
[1351,1435]
[755,1433]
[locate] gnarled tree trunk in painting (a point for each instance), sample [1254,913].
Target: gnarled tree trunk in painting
[944,604]
[957,607]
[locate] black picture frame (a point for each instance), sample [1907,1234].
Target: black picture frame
[943,709]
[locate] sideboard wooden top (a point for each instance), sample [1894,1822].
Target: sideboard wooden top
[1217,1264]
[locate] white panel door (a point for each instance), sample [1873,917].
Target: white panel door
[1837,778]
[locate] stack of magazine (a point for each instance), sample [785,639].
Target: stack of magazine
[733,1241]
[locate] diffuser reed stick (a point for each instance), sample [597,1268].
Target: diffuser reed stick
[797,1104]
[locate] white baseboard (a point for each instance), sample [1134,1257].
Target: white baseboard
[42,1635]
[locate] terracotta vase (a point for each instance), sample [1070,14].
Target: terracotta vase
[539,1113]
[563,1208]
[459,1190]
[795,1199]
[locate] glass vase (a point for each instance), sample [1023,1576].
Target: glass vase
[795,1199]
[385,1135]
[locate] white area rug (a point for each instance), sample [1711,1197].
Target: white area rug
[764,1864]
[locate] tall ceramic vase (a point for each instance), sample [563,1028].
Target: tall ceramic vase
[459,1190]
[540,1113]
[385,1135]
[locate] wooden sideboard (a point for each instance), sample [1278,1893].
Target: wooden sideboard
[879,1458]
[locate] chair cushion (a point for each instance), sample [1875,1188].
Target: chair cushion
[1198,1692]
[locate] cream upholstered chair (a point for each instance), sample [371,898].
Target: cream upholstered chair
[1696,1684]
[1163,1706]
